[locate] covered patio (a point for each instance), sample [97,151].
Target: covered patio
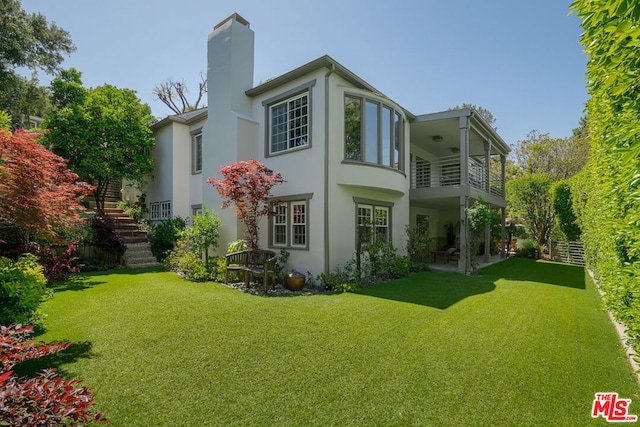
[457,158]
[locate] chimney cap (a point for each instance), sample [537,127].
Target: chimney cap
[234,17]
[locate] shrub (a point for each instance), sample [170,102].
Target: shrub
[527,249]
[56,267]
[203,233]
[187,263]
[384,262]
[191,266]
[237,246]
[418,242]
[46,400]
[137,210]
[281,265]
[104,236]
[22,288]
[342,279]
[163,235]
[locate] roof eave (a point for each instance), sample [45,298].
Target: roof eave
[177,118]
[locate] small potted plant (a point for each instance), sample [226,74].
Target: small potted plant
[294,280]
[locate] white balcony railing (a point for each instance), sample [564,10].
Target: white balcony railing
[445,171]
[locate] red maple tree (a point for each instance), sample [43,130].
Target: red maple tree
[247,185]
[37,190]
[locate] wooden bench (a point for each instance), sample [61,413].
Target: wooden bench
[445,254]
[252,262]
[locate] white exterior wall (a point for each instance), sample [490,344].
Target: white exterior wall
[302,170]
[160,188]
[229,75]
[181,171]
[173,179]
[364,181]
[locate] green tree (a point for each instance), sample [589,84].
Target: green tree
[529,198]
[27,40]
[478,217]
[558,158]
[104,132]
[203,233]
[484,113]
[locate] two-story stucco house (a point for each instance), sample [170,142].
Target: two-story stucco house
[351,156]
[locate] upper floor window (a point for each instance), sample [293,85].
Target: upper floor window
[289,124]
[373,132]
[197,153]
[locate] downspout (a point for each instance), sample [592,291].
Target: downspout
[326,169]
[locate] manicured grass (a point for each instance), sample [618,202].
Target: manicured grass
[524,344]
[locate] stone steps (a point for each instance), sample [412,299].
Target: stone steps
[139,255]
[138,249]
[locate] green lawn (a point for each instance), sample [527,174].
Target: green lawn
[527,343]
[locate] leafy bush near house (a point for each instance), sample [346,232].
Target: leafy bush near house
[203,233]
[418,243]
[47,399]
[342,279]
[281,265]
[380,259]
[22,288]
[193,242]
[237,246]
[163,235]
[56,267]
[183,260]
[384,262]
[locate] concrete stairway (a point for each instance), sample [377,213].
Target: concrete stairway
[138,250]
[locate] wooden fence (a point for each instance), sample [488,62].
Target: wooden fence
[568,252]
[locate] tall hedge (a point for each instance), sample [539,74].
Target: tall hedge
[606,193]
[563,209]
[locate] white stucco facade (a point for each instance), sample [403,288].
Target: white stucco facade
[333,188]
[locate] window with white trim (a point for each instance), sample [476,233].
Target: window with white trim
[160,210]
[289,224]
[196,150]
[289,124]
[373,221]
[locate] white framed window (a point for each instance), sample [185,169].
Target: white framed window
[280,225]
[196,153]
[373,221]
[160,210]
[289,223]
[299,224]
[289,124]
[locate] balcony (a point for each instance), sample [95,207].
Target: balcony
[445,172]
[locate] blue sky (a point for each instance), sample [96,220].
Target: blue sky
[520,59]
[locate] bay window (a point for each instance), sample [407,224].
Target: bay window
[373,132]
